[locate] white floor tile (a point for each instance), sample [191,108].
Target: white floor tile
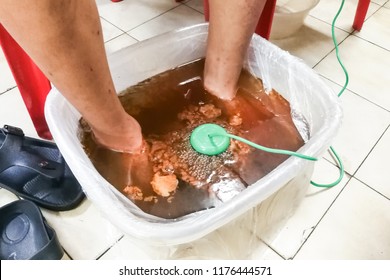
[375,169]
[312,42]
[316,202]
[326,11]
[236,240]
[265,253]
[376,29]
[355,227]
[367,65]
[232,241]
[13,112]
[196,4]
[131,13]
[109,31]
[83,232]
[358,132]
[6,78]
[179,17]
[379,2]
[6,197]
[118,43]
[129,249]
[65,257]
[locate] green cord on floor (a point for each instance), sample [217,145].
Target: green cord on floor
[340,164]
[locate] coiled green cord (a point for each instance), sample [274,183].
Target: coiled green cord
[340,164]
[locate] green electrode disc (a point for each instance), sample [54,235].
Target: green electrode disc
[209,139]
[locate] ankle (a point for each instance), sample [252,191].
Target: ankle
[123,136]
[220,89]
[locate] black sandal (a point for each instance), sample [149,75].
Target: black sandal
[25,235]
[35,170]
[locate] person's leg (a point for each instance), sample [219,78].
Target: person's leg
[65,40]
[232,24]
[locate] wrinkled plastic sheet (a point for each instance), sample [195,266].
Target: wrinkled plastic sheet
[258,208]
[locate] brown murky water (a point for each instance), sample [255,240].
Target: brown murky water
[170,179]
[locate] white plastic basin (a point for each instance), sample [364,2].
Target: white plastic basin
[282,188]
[289,17]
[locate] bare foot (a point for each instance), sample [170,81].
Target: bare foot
[125,136]
[222,91]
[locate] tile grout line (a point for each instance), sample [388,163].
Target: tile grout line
[330,24]
[185,4]
[139,25]
[368,17]
[357,169]
[131,29]
[271,248]
[109,22]
[371,188]
[336,165]
[378,106]
[8,90]
[352,32]
[315,226]
[66,252]
[116,37]
[181,4]
[332,50]
[372,43]
[357,94]
[110,247]
[322,217]
[373,147]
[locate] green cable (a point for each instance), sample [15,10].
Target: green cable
[340,164]
[266,149]
[337,50]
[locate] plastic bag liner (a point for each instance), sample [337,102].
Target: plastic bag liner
[298,83]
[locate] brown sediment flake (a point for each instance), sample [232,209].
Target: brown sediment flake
[164,185]
[133,192]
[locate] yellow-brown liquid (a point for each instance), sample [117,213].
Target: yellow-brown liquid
[168,107]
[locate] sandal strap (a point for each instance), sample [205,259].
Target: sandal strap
[52,250]
[12,154]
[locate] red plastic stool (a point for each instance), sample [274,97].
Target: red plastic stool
[32,83]
[361,12]
[264,25]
